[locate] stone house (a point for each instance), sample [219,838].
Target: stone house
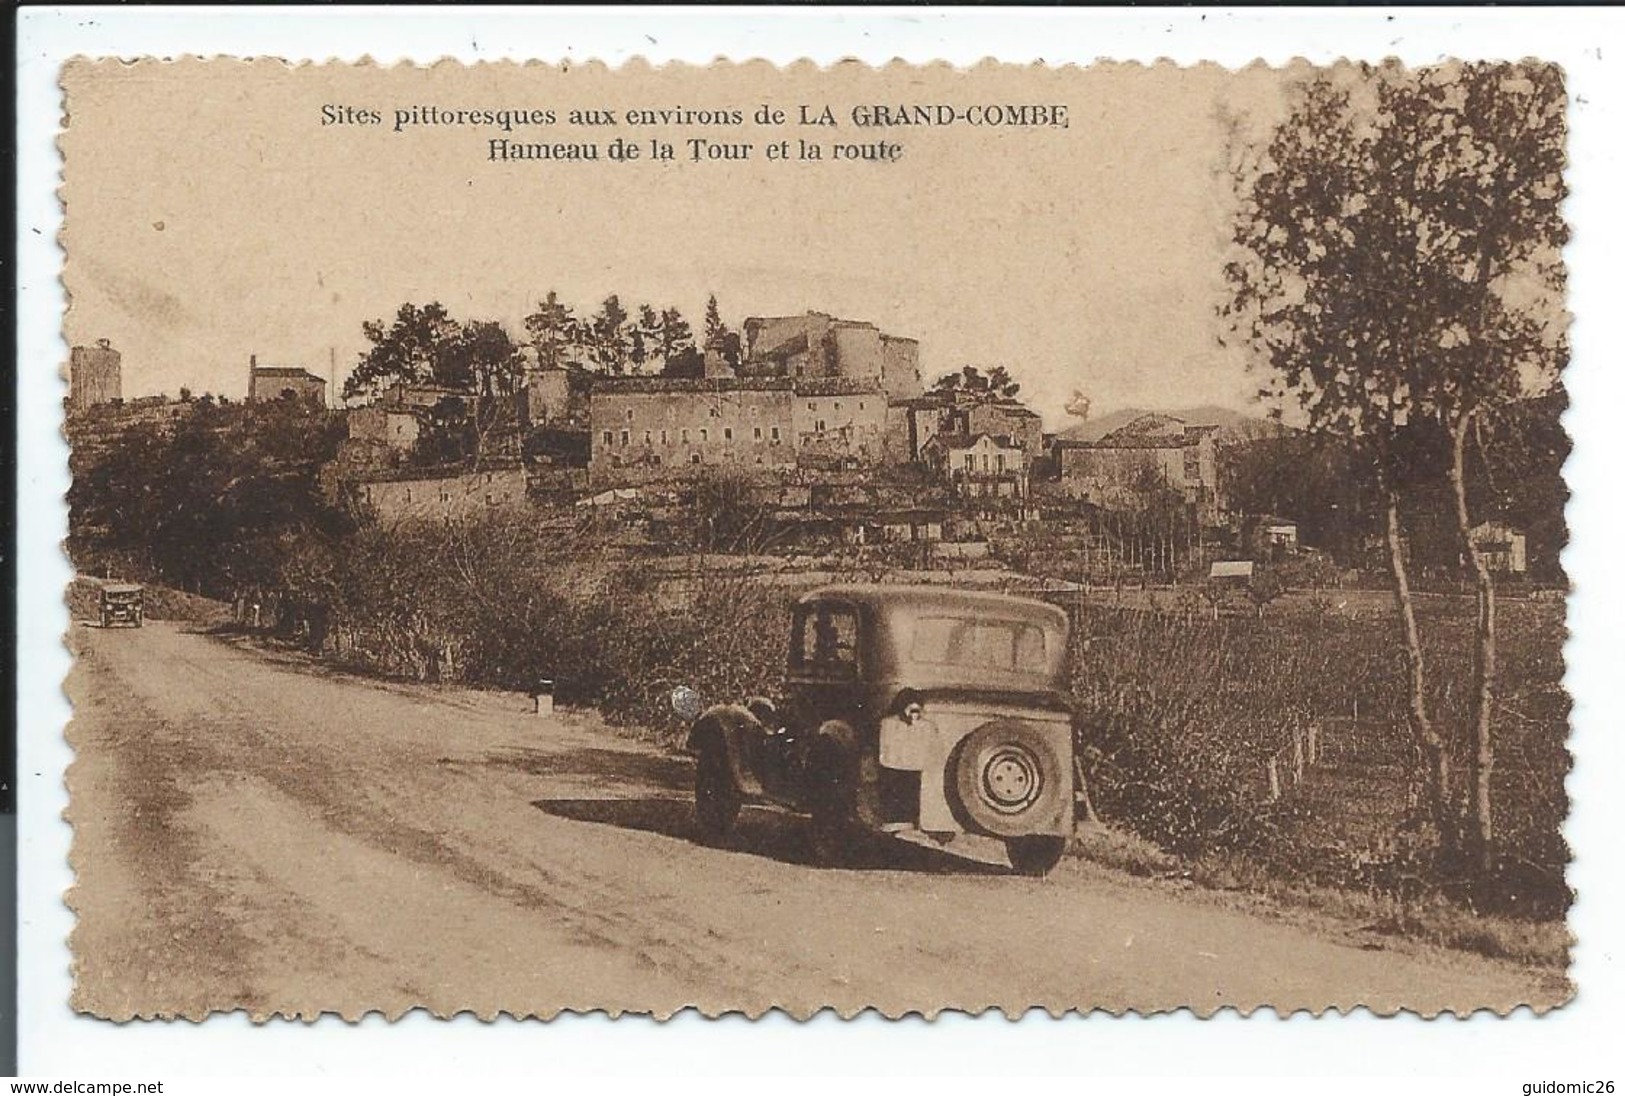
[395,428]
[1504,548]
[418,396]
[816,345]
[650,428]
[1122,468]
[912,423]
[1272,536]
[547,398]
[1004,418]
[444,498]
[979,465]
[274,382]
[838,422]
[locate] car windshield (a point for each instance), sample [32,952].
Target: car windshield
[991,644]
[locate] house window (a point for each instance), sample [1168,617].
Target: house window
[705,435]
[811,406]
[685,435]
[655,461]
[714,412]
[693,458]
[628,414]
[757,432]
[860,405]
[663,438]
[819,426]
[970,462]
[984,462]
[999,462]
[609,437]
[727,433]
[626,437]
[648,437]
[837,405]
[775,435]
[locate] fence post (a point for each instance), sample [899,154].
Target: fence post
[1297,758]
[1275,781]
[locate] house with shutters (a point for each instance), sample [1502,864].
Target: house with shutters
[979,465]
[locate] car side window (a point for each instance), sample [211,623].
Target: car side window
[826,641]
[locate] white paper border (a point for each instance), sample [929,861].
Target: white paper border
[1576,1042]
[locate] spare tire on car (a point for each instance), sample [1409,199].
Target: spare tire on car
[1007,780]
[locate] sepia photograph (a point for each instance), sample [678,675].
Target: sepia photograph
[741,537]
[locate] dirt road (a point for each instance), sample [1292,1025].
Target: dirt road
[253,831]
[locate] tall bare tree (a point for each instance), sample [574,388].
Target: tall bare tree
[1398,261]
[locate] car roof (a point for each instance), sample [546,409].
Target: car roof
[121,588]
[946,598]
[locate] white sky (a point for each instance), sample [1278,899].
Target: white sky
[210,217]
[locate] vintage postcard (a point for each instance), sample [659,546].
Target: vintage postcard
[741,537]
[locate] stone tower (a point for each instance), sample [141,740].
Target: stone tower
[94,375]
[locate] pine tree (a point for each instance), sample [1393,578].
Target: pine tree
[552,330]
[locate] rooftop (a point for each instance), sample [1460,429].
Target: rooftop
[939,598]
[802,386]
[286,371]
[965,441]
[1010,407]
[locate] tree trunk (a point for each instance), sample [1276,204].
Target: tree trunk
[1435,762]
[1480,834]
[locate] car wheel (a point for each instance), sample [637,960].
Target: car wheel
[716,800]
[831,831]
[831,834]
[1035,855]
[1008,781]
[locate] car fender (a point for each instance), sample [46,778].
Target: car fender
[734,727]
[837,758]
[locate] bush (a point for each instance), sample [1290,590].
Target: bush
[493,603]
[1180,712]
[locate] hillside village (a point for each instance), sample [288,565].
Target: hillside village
[823,431]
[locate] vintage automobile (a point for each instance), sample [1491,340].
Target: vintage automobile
[921,711]
[121,604]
